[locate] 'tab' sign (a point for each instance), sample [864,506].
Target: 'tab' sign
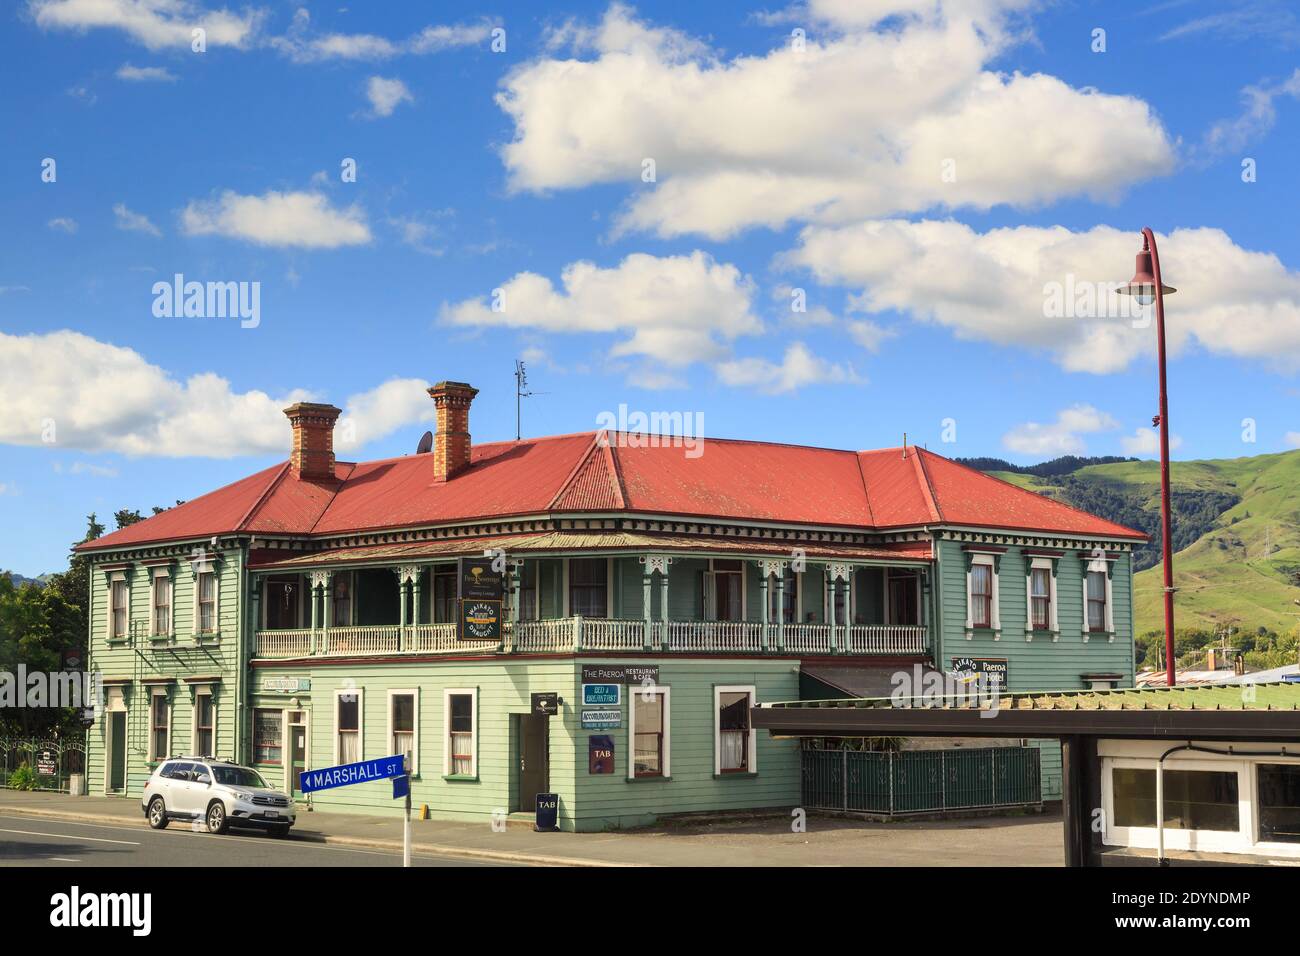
[381,768]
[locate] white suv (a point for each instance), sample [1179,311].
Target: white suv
[218,792]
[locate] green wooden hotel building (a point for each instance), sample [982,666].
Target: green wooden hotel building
[304,616]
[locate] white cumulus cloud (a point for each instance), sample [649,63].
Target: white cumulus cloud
[1146,441]
[145,74]
[301,45]
[386,94]
[673,309]
[1037,288]
[798,367]
[858,123]
[129,221]
[155,24]
[1065,436]
[66,390]
[304,220]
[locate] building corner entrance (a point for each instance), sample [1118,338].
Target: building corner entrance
[532,743]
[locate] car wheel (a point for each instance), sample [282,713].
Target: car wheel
[216,818]
[281,831]
[157,814]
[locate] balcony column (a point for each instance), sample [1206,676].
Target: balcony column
[836,576]
[408,574]
[317,580]
[647,584]
[766,570]
[515,582]
[255,607]
[780,619]
[655,563]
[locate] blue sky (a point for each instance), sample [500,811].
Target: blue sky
[783,161]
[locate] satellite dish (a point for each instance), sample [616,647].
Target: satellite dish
[426,444]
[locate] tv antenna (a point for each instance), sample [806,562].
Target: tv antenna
[521,392]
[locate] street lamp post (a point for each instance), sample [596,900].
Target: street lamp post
[1147,288]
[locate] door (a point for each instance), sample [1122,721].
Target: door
[903,599]
[117,751]
[534,759]
[297,753]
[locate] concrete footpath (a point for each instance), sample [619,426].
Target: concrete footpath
[730,840]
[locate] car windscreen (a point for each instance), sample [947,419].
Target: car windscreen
[239,777]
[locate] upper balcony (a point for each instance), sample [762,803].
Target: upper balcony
[597,603]
[575,635]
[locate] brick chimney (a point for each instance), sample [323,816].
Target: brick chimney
[451,442]
[312,457]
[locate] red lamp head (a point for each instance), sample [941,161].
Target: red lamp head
[1143,283]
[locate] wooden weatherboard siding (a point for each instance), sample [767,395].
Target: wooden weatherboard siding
[1040,664]
[505,689]
[141,657]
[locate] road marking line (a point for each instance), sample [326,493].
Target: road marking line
[69,836]
[64,859]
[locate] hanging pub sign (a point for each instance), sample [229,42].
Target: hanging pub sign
[620,673]
[546,705]
[476,579]
[479,620]
[600,753]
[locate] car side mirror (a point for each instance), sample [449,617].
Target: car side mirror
[205,780]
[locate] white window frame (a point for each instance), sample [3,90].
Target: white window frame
[447,694]
[216,602]
[360,694]
[1102,565]
[204,691]
[162,574]
[1145,754]
[751,744]
[115,577]
[666,692]
[413,692]
[156,691]
[1053,621]
[995,615]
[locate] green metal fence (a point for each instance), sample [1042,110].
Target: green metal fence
[921,781]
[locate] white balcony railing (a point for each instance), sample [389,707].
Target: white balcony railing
[283,644]
[887,639]
[561,635]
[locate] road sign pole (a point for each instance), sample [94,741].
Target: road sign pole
[406,826]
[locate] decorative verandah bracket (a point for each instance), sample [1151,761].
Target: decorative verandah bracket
[652,564]
[407,574]
[838,577]
[767,568]
[319,590]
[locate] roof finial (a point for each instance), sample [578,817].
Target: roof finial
[904,446]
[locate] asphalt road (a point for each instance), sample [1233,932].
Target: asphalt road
[28,841]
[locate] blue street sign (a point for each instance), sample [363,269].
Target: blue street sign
[381,768]
[401,786]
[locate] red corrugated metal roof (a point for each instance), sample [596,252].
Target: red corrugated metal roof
[724,479]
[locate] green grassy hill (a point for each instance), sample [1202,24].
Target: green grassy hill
[1237,534]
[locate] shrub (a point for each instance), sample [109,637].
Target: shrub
[24,778]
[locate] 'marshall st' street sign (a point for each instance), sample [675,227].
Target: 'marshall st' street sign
[381,768]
